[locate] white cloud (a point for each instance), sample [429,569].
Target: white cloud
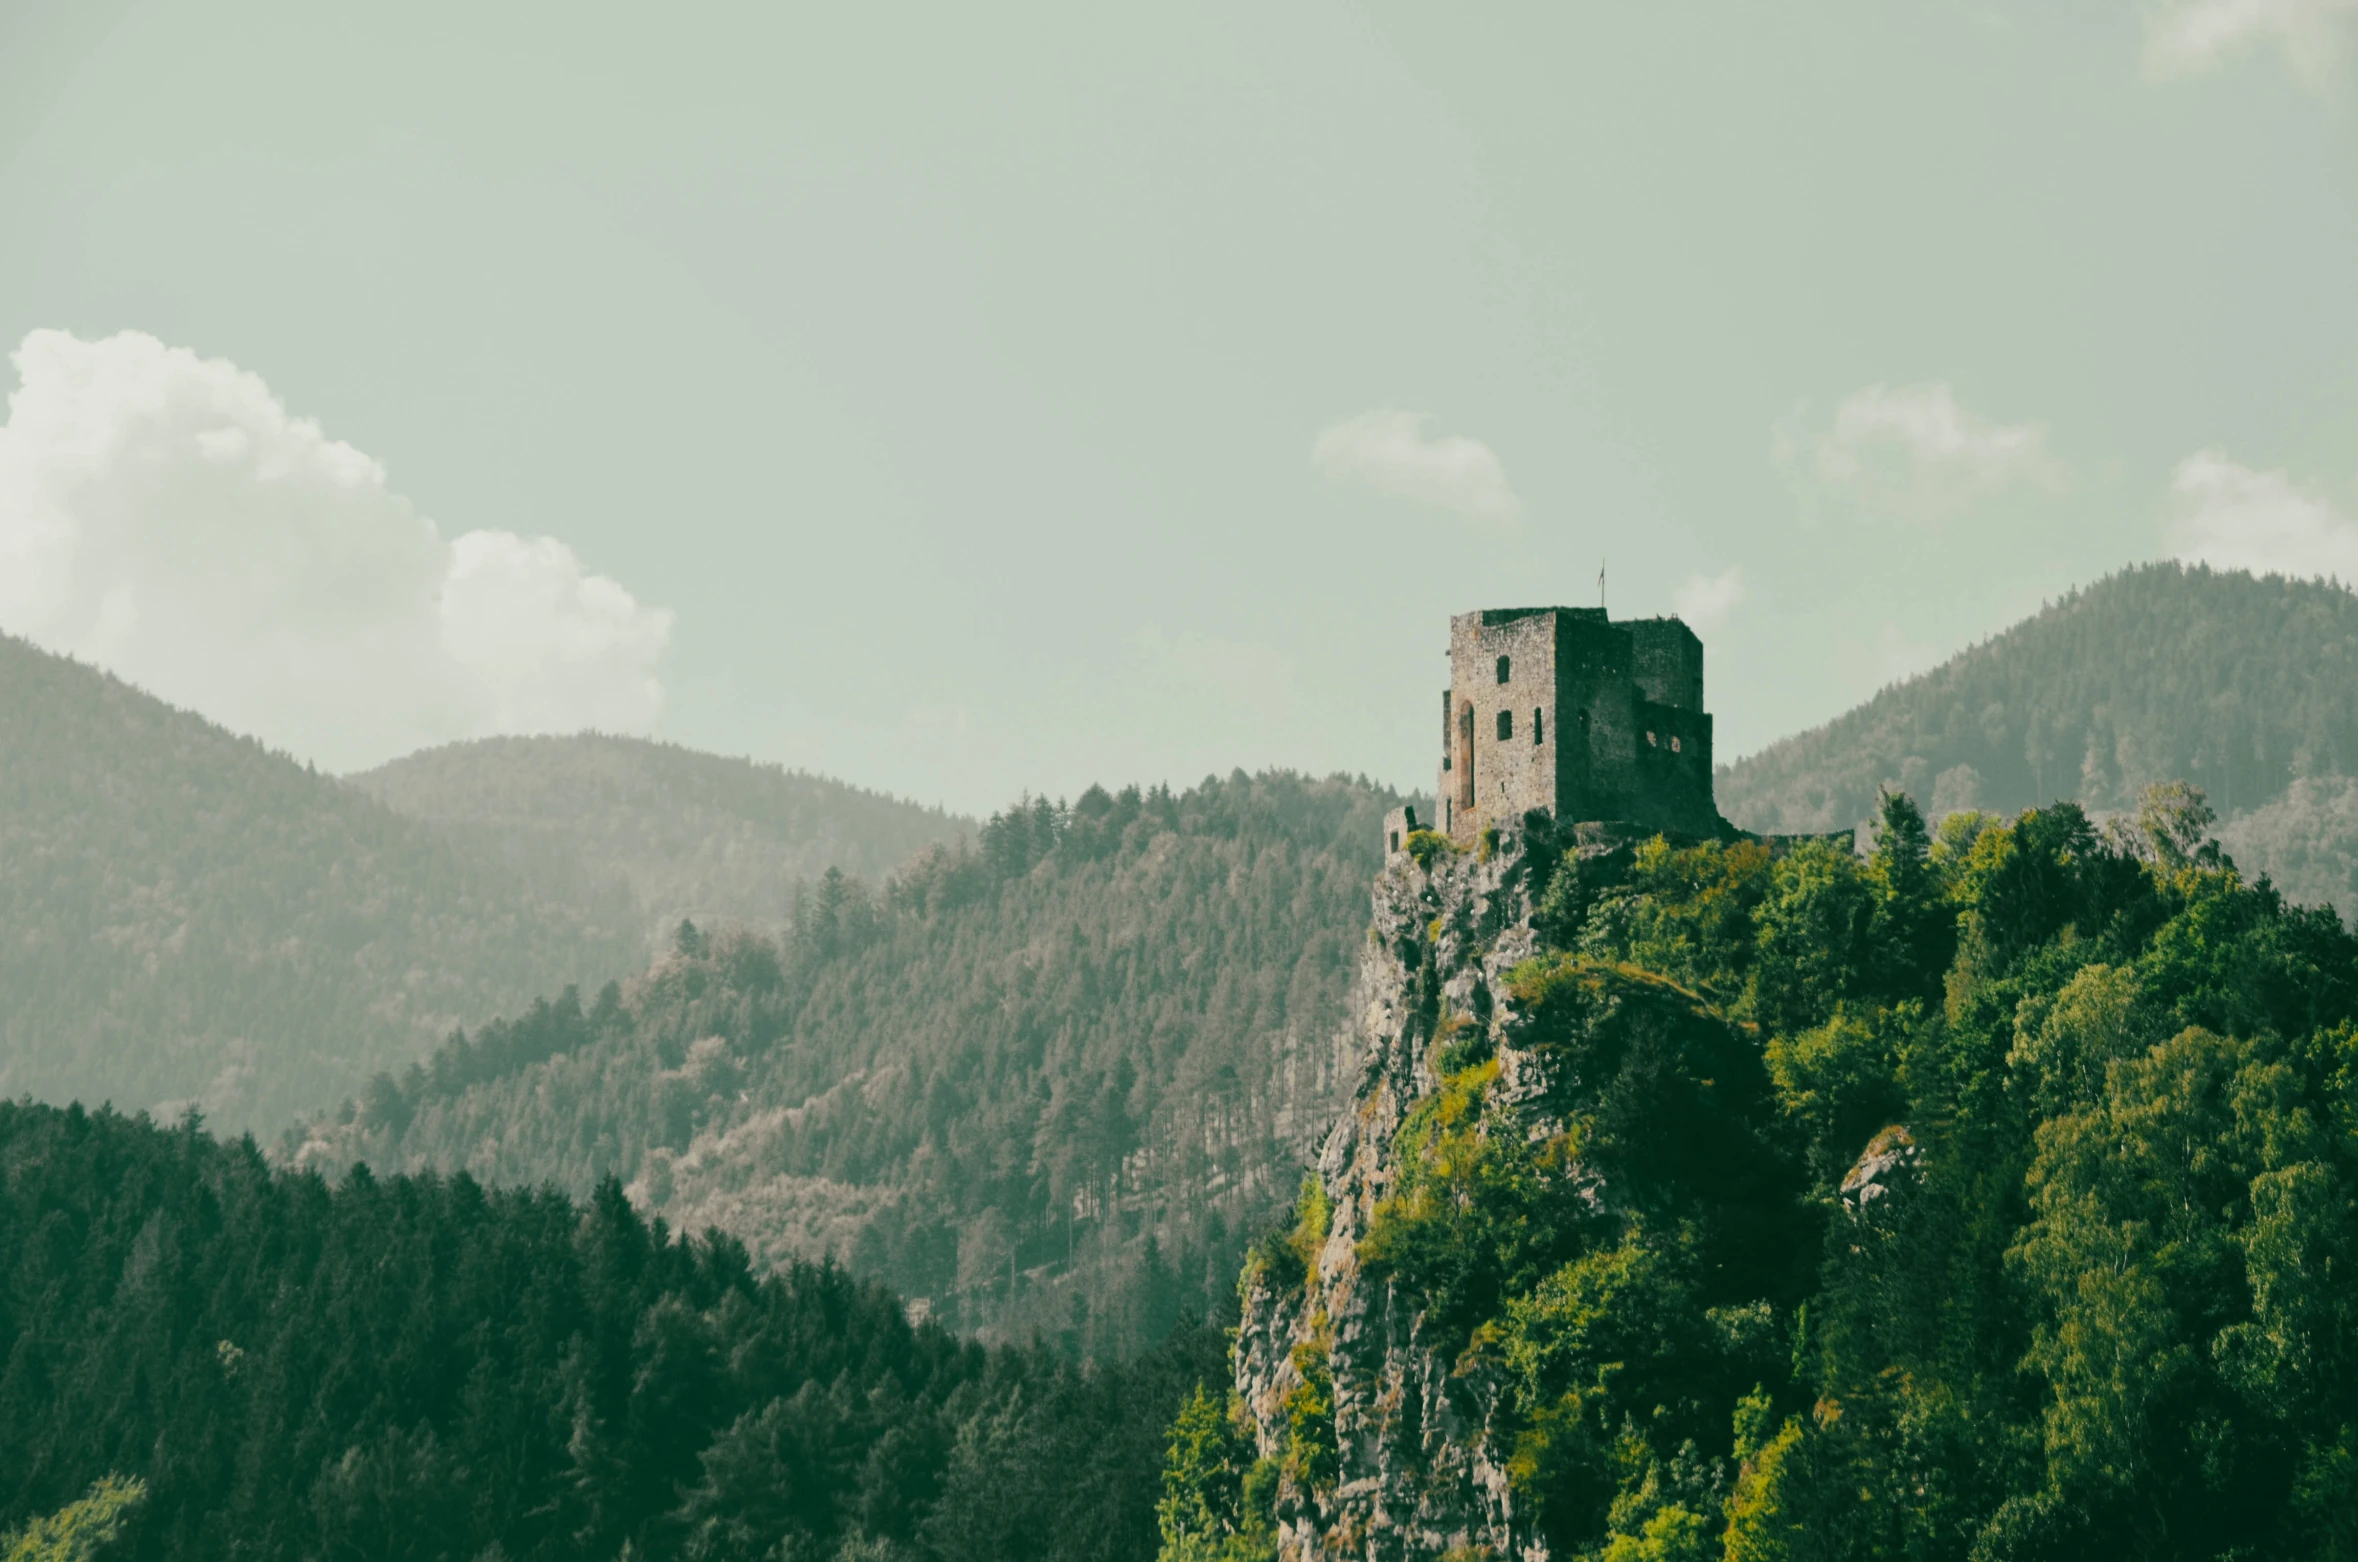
[1705,601]
[165,517]
[1915,453]
[2232,517]
[1394,454]
[2199,35]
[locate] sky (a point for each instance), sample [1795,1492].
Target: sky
[973,401]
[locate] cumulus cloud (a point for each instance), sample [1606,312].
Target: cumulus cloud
[166,517]
[1396,454]
[1915,453]
[1705,601]
[2232,517]
[2199,35]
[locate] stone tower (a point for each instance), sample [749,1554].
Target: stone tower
[1563,711]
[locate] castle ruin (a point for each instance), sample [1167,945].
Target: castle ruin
[1562,711]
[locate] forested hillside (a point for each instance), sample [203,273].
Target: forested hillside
[1989,1198]
[697,836]
[2242,686]
[1046,1084]
[237,1362]
[185,914]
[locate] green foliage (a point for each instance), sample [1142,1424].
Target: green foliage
[1311,1455]
[1816,938]
[1470,1212]
[81,1530]
[955,1083]
[1460,1042]
[1312,1216]
[1760,1524]
[1684,913]
[1205,1512]
[1285,1257]
[1841,1081]
[425,1367]
[1425,845]
[2076,1111]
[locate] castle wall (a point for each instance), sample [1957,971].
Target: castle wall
[1515,772]
[1593,691]
[1604,721]
[1667,661]
[1673,756]
[1399,825]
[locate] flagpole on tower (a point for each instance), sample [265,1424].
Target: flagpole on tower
[1600,583]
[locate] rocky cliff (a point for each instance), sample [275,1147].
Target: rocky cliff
[1539,1294]
[1387,1437]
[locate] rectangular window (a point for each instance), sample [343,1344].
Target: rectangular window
[1506,725]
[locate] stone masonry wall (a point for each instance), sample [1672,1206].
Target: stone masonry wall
[1516,772]
[1603,721]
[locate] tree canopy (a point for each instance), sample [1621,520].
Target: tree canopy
[217,1359]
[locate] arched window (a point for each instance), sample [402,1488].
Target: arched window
[1506,725]
[1502,669]
[1538,728]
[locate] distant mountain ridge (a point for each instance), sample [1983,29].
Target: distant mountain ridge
[188,917]
[697,836]
[2245,686]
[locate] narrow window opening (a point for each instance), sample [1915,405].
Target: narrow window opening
[1506,725]
[1502,669]
[1395,840]
[1538,728]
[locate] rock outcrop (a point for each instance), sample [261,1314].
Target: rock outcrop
[1408,1468]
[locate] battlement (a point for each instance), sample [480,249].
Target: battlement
[1563,711]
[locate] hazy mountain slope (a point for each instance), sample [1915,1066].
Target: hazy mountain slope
[1050,1084]
[2306,840]
[186,914]
[2240,685]
[696,835]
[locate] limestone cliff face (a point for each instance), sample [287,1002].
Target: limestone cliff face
[1415,1471]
